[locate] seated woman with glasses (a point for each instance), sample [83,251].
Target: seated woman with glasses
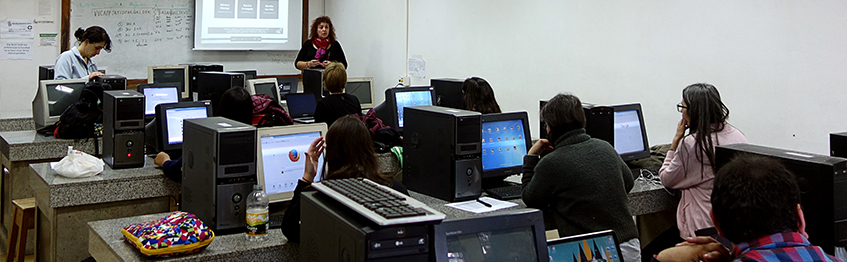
[689,165]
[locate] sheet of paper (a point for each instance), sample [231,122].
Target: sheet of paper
[45,9]
[16,50]
[417,67]
[16,28]
[47,39]
[476,207]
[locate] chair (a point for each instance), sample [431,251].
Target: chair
[24,219]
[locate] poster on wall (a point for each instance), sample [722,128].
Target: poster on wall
[16,28]
[16,49]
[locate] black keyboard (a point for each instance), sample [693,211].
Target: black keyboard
[381,204]
[506,192]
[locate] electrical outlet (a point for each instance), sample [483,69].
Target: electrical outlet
[405,81]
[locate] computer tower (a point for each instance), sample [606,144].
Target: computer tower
[195,69]
[116,82]
[123,128]
[448,92]
[442,152]
[45,72]
[600,122]
[330,231]
[218,171]
[823,189]
[313,83]
[838,144]
[212,85]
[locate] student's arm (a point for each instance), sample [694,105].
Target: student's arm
[173,169]
[677,163]
[536,191]
[291,218]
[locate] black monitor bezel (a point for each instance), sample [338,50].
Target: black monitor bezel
[391,95]
[507,171]
[162,128]
[503,220]
[639,154]
[291,80]
[140,88]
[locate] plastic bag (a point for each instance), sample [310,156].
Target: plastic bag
[78,164]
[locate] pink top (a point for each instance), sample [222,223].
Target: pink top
[683,171]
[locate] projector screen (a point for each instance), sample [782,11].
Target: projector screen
[248,24]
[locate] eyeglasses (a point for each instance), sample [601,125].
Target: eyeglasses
[679,107]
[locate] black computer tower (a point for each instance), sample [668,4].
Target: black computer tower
[838,144]
[116,82]
[123,128]
[313,83]
[218,171]
[45,72]
[823,189]
[212,85]
[330,231]
[195,69]
[448,92]
[600,122]
[442,152]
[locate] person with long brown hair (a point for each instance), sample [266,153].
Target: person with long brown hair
[349,153]
[321,48]
[477,95]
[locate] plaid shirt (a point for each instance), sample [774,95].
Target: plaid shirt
[780,247]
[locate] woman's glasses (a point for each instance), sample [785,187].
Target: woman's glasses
[679,107]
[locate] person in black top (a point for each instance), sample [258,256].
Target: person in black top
[321,48]
[337,103]
[349,153]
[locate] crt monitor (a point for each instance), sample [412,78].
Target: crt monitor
[158,93]
[170,74]
[281,157]
[169,121]
[596,246]
[266,86]
[630,133]
[301,105]
[391,110]
[506,236]
[286,86]
[505,141]
[53,97]
[362,88]
[248,74]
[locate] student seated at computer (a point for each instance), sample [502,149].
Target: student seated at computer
[582,180]
[478,96]
[236,104]
[756,206]
[337,103]
[349,153]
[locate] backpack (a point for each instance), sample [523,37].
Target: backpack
[272,111]
[80,119]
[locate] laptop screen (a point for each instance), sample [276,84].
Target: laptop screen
[300,105]
[598,246]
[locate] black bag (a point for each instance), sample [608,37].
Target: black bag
[79,119]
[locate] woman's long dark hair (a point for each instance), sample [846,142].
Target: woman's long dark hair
[313,32]
[350,151]
[706,115]
[478,96]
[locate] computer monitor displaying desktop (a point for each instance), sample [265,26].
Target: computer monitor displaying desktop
[505,141]
[391,110]
[362,88]
[169,122]
[248,74]
[281,157]
[170,74]
[286,86]
[507,236]
[597,246]
[267,86]
[157,93]
[630,134]
[52,98]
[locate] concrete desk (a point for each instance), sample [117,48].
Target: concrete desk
[16,124]
[65,205]
[18,149]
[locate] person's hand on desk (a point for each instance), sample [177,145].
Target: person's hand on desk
[543,145]
[161,158]
[696,249]
[95,74]
[312,156]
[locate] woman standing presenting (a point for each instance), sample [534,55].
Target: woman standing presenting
[77,63]
[321,48]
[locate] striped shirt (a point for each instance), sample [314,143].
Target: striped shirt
[790,246]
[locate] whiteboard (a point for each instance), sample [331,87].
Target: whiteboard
[161,32]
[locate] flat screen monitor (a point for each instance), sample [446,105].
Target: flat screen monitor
[301,105]
[597,246]
[362,88]
[281,152]
[505,141]
[170,74]
[169,121]
[508,236]
[391,110]
[158,93]
[248,74]
[630,133]
[265,86]
[53,97]
[286,86]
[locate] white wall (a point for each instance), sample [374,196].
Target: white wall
[779,65]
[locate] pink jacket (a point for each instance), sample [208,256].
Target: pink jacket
[681,170]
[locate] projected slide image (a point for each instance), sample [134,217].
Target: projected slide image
[283,161]
[244,21]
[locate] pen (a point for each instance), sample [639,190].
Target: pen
[483,203]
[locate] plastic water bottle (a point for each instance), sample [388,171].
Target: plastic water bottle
[257,214]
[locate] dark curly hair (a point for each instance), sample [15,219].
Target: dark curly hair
[314,31]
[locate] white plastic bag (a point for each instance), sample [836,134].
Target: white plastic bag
[78,164]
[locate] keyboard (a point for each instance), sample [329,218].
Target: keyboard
[381,204]
[506,192]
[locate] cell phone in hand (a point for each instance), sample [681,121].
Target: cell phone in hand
[713,233]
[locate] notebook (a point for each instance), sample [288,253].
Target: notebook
[597,246]
[301,107]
